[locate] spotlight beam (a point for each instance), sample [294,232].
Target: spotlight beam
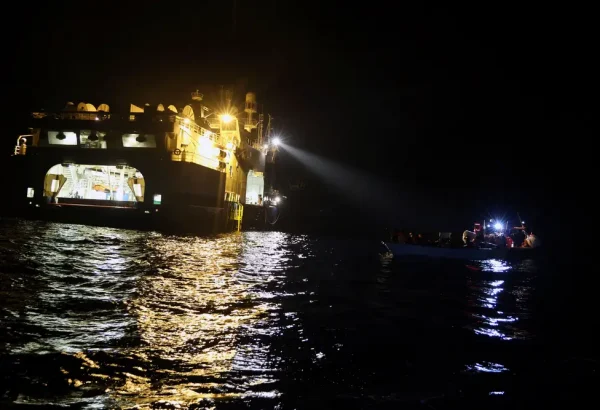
[367,191]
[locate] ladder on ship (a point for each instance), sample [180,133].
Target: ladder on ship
[237,214]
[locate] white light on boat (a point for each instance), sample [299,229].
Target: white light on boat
[523,222]
[229,145]
[266,146]
[276,141]
[186,121]
[489,226]
[498,226]
[277,199]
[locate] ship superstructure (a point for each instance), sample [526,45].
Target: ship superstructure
[187,166]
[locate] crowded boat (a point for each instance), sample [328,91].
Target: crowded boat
[486,240]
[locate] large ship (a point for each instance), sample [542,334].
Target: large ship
[152,166]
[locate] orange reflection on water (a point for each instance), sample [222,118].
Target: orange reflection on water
[200,316]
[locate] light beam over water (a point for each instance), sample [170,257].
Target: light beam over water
[385,201]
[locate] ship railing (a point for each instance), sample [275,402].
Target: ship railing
[192,126]
[133,116]
[214,122]
[86,116]
[257,146]
[189,156]
[97,116]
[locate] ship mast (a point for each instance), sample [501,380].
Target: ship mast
[228,98]
[269,129]
[260,127]
[271,141]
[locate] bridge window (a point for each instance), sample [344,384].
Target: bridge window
[62,138]
[139,141]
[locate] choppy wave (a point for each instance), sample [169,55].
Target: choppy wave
[106,318]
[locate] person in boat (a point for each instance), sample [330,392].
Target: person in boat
[480,238]
[509,242]
[500,241]
[444,239]
[531,241]
[394,236]
[399,236]
[417,239]
[469,238]
[518,236]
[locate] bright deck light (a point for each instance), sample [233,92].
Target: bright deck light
[226,118]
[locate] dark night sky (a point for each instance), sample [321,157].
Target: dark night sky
[486,103]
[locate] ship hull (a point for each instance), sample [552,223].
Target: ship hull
[261,217]
[400,250]
[182,220]
[192,196]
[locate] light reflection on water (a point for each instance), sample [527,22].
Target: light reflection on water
[495,265]
[107,318]
[494,302]
[487,367]
[192,313]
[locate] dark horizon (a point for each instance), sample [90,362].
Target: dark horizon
[472,109]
